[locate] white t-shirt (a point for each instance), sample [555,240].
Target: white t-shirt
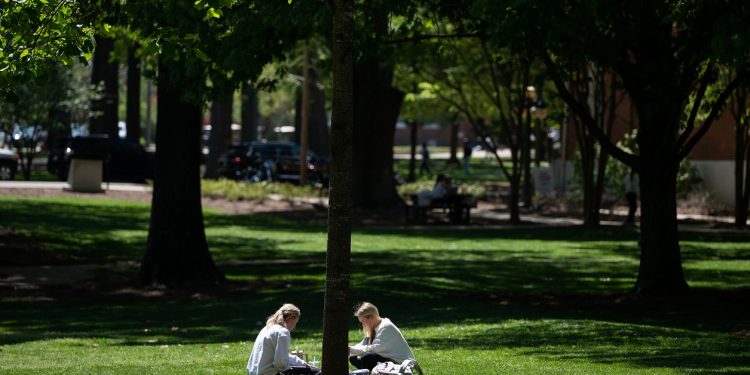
[271,352]
[388,342]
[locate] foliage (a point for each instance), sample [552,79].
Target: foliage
[242,191]
[202,37]
[688,177]
[475,189]
[37,34]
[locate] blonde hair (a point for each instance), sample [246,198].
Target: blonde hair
[367,310]
[284,312]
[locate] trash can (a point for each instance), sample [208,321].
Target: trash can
[87,165]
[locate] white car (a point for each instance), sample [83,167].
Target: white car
[8,164]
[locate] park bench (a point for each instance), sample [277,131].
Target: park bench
[456,206]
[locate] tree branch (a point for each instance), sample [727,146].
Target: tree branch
[715,110]
[705,80]
[581,110]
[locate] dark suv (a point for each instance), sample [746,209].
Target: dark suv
[124,160]
[272,161]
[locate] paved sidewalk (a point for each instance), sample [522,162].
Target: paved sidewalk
[115,186]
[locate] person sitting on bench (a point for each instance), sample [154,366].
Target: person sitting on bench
[441,189]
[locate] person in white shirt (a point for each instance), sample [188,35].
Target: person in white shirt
[383,341]
[270,353]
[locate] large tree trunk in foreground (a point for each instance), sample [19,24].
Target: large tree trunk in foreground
[660,269]
[177,252]
[103,72]
[336,313]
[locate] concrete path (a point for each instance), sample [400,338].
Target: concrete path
[114,186]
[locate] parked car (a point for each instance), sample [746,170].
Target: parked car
[8,164]
[124,160]
[271,161]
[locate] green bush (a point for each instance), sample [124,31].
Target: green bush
[243,191]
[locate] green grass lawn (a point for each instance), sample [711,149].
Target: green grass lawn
[469,301]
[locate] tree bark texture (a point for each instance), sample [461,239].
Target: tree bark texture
[221,130]
[660,270]
[133,112]
[336,312]
[105,73]
[177,252]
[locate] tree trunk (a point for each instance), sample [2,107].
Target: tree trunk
[249,113]
[660,268]
[740,212]
[317,132]
[177,252]
[336,312]
[221,130]
[104,109]
[133,112]
[377,106]
[454,144]
[413,127]
[601,170]
[515,189]
[525,143]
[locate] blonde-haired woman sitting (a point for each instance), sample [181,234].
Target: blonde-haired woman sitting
[383,341]
[270,353]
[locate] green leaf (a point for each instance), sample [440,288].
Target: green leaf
[201,55]
[214,13]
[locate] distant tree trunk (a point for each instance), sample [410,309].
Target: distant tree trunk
[739,108]
[221,130]
[318,137]
[413,127]
[599,88]
[177,252]
[336,313]
[377,106]
[525,143]
[249,113]
[104,109]
[453,160]
[133,112]
[540,143]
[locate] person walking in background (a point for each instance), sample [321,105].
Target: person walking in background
[270,353]
[468,148]
[383,341]
[424,166]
